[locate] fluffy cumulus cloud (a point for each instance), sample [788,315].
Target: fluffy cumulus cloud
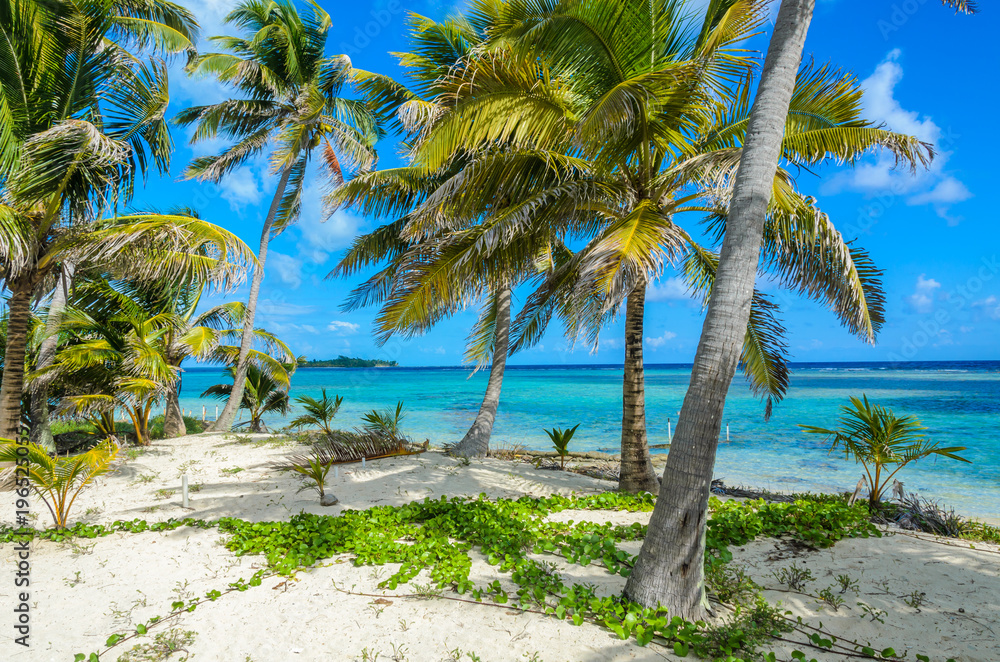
[342,328]
[928,187]
[321,234]
[241,188]
[659,341]
[922,299]
[672,289]
[990,305]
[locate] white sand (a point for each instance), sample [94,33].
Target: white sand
[86,590]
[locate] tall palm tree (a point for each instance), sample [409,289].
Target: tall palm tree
[290,99]
[649,129]
[83,93]
[668,570]
[431,275]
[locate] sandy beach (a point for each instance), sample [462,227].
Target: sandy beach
[86,589]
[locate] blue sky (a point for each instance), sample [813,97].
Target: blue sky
[926,72]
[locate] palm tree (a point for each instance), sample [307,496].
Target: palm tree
[84,95]
[664,573]
[431,275]
[879,440]
[266,392]
[649,128]
[115,361]
[318,412]
[291,99]
[209,336]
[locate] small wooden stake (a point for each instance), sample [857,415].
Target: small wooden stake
[184,490]
[668,431]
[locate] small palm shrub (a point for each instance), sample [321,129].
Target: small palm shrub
[881,442]
[560,439]
[58,481]
[385,422]
[315,471]
[319,413]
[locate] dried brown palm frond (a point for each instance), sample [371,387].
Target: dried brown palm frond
[344,447]
[506,450]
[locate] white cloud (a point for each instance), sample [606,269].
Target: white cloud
[990,306]
[932,186]
[287,268]
[320,235]
[947,192]
[434,350]
[282,308]
[881,105]
[610,343]
[240,188]
[922,299]
[672,289]
[656,343]
[342,328]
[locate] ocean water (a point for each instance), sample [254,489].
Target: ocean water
[958,402]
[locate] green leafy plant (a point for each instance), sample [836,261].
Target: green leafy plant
[385,422]
[58,481]
[318,413]
[794,577]
[315,472]
[881,442]
[560,439]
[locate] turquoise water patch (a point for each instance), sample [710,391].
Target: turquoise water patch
[959,403]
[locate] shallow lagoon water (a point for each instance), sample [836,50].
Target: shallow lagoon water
[958,402]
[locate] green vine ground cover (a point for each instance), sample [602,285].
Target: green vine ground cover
[438,536]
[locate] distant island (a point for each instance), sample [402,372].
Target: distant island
[346,362]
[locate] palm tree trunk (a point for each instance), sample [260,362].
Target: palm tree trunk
[228,415]
[670,567]
[41,429]
[173,418]
[18,318]
[476,441]
[637,473]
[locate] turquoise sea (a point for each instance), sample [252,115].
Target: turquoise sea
[959,403]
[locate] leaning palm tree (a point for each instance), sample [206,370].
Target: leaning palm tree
[428,275]
[291,100]
[677,526]
[266,392]
[647,140]
[83,93]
